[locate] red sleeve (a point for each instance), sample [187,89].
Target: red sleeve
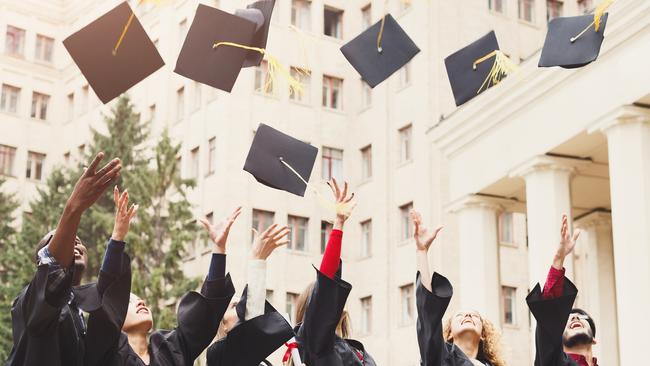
[554,285]
[332,255]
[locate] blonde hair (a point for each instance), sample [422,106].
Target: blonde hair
[489,348]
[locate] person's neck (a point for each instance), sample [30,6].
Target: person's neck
[583,350]
[140,344]
[468,344]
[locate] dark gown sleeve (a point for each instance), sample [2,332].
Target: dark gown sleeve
[107,303]
[251,341]
[431,307]
[551,316]
[317,333]
[199,316]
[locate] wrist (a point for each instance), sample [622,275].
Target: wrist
[558,261]
[218,250]
[338,224]
[73,209]
[117,237]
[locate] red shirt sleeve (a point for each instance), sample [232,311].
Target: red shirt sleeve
[554,285]
[332,255]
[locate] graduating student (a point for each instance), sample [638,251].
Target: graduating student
[48,325]
[199,315]
[468,338]
[252,329]
[564,335]
[323,324]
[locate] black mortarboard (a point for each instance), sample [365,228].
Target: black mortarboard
[259,13]
[264,160]
[466,75]
[112,73]
[376,65]
[560,51]
[218,67]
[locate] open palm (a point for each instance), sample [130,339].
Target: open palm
[567,241]
[423,237]
[219,232]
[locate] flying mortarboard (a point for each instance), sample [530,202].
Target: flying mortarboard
[218,67]
[275,159]
[573,42]
[260,13]
[380,51]
[477,67]
[114,52]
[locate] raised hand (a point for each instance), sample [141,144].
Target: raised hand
[268,241]
[123,214]
[567,243]
[344,205]
[219,232]
[92,183]
[423,238]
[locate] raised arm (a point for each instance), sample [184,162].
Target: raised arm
[90,186]
[332,255]
[552,305]
[264,244]
[423,240]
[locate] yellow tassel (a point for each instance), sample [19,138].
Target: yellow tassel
[274,67]
[600,11]
[501,68]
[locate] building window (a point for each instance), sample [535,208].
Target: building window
[527,10]
[152,113]
[85,94]
[15,41]
[180,104]
[292,302]
[333,22]
[366,315]
[66,158]
[405,75]
[366,162]
[212,155]
[304,77]
[325,231]
[506,228]
[366,16]
[70,106]
[332,163]
[182,31]
[81,152]
[406,295]
[509,304]
[496,5]
[269,296]
[366,92]
[301,14]
[332,90]
[196,101]
[405,134]
[39,105]
[366,239]
[9,99]
[553,9]
[262,220]
[263,82]
[7,157]
[194,163]
[404,5]
[297,232]
[585,6]
[405,221]
[44,48]
[34,165]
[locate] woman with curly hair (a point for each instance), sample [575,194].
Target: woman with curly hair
[468,339]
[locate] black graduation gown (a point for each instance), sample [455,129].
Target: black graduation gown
[199,315]
[251,341]
[431,307]
[54,335]
[551,316]
[316,336]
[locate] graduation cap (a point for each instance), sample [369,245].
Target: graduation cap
[276,160]
[114,52]
[201,61]
[380,50]
[573,42]
[259,13]
[477,67]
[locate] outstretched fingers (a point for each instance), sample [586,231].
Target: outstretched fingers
[90,170]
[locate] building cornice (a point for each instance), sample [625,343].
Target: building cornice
[621,115]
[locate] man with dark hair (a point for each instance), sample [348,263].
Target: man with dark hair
[564,335]
[47,319]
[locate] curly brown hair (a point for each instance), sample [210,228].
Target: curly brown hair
[489,349]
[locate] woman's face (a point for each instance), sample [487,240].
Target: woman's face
[465,322]
[138,316]
[230,318]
